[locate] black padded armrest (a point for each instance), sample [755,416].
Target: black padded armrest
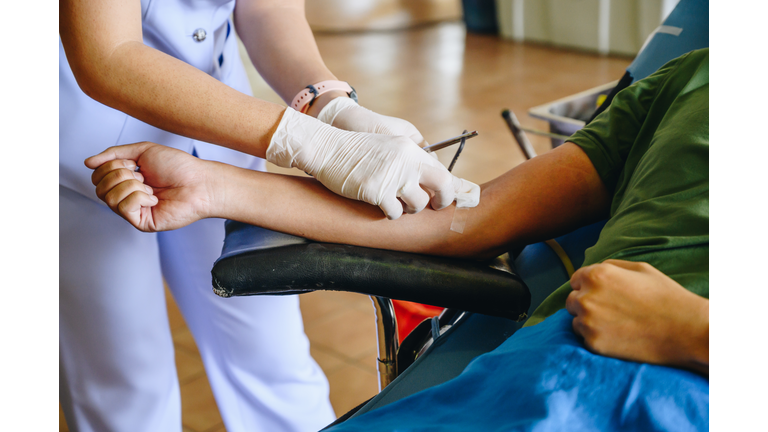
[256,261]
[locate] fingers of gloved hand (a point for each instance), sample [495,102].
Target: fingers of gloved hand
[396,126]
[391,207]
[418,139]
[467,193]
[331,110]
[414,198]
[113,178]
[440,181]
[344,113]
[406,128]
[121,191]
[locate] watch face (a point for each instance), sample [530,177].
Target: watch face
[353,95]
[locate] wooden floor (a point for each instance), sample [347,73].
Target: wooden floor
[443,80]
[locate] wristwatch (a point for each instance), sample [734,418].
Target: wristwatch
[307,96]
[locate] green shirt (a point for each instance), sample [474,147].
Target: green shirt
[651,150]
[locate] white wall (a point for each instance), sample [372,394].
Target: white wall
[604,26]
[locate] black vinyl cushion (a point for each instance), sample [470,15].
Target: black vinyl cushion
[291,265]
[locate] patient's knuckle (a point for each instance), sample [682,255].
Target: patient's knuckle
[592,337]
[117,177]
[645,267]
[111,199]
[113,164]
[576,324]
[120,207]
[582,327]
[136,185]
[598,343]
[585,302]
[571,300]
[101,190]
[127,174]
[598,274]
[587,319]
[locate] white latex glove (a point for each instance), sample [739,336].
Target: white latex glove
[467,193]
[374,168]
[344,113]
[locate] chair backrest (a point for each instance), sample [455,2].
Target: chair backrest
[686,29]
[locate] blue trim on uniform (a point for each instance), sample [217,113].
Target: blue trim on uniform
[221,56]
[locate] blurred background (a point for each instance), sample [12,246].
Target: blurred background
[445,66]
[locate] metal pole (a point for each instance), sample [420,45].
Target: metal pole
[387,337]
[522,140]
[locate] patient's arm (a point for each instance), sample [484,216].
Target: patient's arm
[539,199]
[633,311]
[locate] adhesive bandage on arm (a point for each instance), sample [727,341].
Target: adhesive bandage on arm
[467,196]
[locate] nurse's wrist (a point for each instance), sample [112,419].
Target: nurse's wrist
[323,100]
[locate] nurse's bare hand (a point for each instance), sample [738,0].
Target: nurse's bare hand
[169,191]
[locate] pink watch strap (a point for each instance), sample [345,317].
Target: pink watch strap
[304,99]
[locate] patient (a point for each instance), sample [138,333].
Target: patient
[642,295]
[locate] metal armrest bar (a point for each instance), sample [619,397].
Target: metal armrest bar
[387,338]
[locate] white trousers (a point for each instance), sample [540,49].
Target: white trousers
[116,355]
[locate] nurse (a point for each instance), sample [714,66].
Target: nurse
[168,71]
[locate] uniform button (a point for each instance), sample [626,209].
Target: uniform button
[199,35]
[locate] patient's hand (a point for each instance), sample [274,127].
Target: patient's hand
[634,312]
[169,191]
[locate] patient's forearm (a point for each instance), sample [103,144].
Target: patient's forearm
[540,199]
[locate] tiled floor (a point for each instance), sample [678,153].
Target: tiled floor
[442,80]
[341,329]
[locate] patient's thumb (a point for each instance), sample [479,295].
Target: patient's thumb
[129,151]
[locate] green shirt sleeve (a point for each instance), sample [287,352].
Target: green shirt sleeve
[651,150]
[608,139]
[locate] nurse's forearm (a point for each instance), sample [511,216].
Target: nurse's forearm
[104,46]
[282,47]
[540,199]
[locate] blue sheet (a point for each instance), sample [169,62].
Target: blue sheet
[543,379]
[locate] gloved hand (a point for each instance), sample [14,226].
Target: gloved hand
[467,193]
[374,168]
[344,113]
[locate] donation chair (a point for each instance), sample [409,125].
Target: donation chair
[486,302]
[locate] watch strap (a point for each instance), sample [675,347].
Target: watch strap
[307,96]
